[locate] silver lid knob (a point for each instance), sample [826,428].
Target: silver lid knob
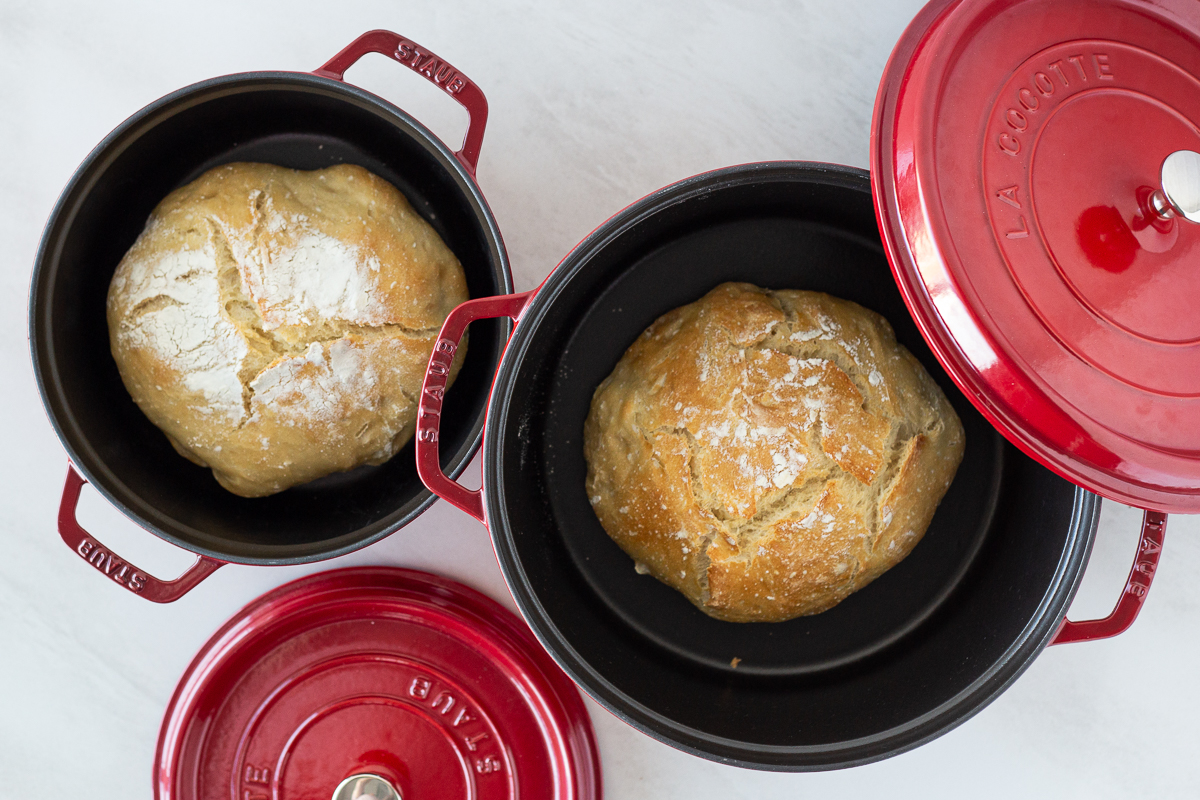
[365,786]
[1180,193]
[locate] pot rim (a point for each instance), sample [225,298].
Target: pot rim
[1034,637]
[115,143]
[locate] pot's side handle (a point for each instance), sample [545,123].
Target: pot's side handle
[113,566]
[432,68]
[433,389]
[1154,529]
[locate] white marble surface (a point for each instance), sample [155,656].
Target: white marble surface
[592,106]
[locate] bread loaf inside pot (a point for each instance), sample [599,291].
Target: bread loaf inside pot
[767,453]
[275,324]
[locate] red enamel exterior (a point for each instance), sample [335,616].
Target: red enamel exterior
[429,66]
[433,388]
[1154,529]
[378,670]
[111,565]
[1013,145]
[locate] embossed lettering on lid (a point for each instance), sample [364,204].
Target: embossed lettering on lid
[1019,153]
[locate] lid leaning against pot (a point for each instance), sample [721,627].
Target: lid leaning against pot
[1039,227]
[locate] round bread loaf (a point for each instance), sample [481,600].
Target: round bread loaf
[767,453]
[276,324]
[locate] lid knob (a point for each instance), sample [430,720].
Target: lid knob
[1180,193]
[365,786]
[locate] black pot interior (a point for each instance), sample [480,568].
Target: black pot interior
[905,658]
[291,120]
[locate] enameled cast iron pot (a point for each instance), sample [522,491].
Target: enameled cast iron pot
[298,120]
[903,660]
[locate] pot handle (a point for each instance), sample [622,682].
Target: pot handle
[113,566]
[433,389]
[432,68]
[1154,528]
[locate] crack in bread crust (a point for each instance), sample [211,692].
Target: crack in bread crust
[267,346]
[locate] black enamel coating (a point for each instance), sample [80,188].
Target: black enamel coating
[293,120]
[901,661]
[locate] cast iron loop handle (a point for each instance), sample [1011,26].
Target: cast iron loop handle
[113,566]
[433,389]
[1154,528]
[432,68]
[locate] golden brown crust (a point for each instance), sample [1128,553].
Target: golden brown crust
[768,453]
[275,324]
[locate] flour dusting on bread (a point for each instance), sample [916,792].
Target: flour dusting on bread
[175,314]
[298,275]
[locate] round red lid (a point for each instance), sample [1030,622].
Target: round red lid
[377,683]
[1017,148]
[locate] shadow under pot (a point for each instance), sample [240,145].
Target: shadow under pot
[297,120]
[904,659]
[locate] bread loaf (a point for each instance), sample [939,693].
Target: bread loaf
[768,452]
[276,324]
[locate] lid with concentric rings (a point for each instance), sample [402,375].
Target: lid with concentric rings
[376,683]
[1036,169]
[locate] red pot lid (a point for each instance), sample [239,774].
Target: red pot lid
[1016,148]
[375,682]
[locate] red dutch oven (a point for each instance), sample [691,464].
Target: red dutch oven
[373,681]
[1023,231]
[298,120]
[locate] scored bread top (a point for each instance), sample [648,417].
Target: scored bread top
[768,452]
[276,324]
